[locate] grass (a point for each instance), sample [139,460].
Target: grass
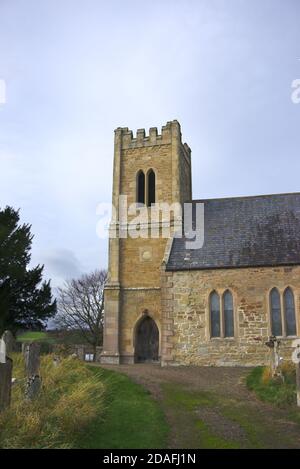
[133,419]
[273,390]
[211,441]
[81,406]
[70,398]
[35,336]
[233,423]
[86,406]
[66,338]
[192,431]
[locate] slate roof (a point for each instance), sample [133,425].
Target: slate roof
[244,232]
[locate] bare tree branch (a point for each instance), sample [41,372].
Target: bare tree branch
[80,306]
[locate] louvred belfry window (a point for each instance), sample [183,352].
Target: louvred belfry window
[140,193]
[151,188]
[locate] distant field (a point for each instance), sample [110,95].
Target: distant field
[53,337]
[35,336]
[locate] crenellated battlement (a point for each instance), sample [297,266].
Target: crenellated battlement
[127,140]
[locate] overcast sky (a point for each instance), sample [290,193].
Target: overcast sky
[77,69]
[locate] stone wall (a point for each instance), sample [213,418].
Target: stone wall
[186,318]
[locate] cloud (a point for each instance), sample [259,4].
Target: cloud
[60,265]
[224,69]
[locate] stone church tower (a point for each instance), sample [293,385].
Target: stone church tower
[147,169]
[217,304]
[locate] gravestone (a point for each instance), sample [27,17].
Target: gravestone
[9,341]
[32,358]
[80,352]
[296,360]
[33,386]
[2,351]
[32,366]
[298,383]
[56,361]
[6,365]
[274,344]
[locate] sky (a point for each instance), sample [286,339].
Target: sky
[75,70]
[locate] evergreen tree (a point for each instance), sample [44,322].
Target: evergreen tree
[25,301]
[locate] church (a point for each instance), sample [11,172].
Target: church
[212,306]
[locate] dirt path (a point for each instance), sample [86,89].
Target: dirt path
[211,407]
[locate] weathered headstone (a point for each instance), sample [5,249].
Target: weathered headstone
[2,351]
[32,366]
[274,344]
[32,358]
[9,341]
[33,386]
[298,383]
[80,352]
[56,361]
[6,365]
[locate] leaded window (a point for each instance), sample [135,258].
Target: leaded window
[276,320]
[228,314]
[215,315]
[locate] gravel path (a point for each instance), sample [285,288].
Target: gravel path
[272,424]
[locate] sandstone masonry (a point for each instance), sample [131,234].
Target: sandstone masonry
[157,297]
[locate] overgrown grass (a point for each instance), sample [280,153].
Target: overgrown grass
[72,396]
[273,390]
[133,419]
[81,406]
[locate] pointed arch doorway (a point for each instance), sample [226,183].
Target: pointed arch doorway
[146,341]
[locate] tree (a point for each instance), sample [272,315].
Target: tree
[25,301]
[81,306]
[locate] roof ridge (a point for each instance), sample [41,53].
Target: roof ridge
[246,197]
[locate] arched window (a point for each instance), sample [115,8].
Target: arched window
[228,314]
[215,315]
[289,312]
[275,307]
[140,193]
[151,188]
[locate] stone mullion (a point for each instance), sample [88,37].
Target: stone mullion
[146,188]
[222,318]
